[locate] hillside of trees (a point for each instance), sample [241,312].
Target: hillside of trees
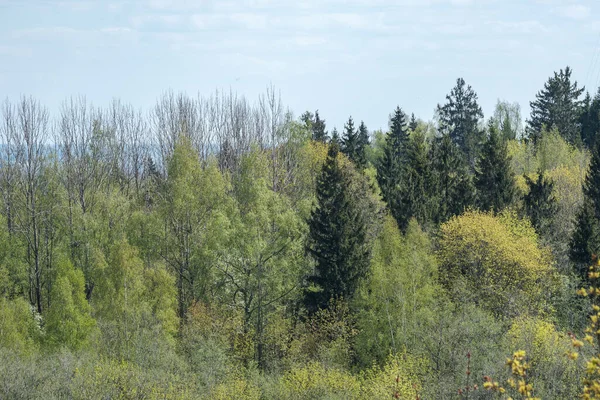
[218,248]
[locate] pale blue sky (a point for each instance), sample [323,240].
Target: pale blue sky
[358,57]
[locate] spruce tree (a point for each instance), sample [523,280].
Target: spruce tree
[349,143]
[413,123]
[585,241]
[590,120]
[363,143]
[337,239]
[414,194]
[316,125]
[540,204]
[318,128]
[591,185]
[557,104]
[454,191]
[494,178]
[335,136]
[460,117]
[354,143]
[390,165]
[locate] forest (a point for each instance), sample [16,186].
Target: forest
[221,248]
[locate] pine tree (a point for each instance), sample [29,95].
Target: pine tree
[540,204]
[337,239]
[557,104]
[460,117]
[494,179]
[454,191]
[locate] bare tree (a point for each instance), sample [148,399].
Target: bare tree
[30,142]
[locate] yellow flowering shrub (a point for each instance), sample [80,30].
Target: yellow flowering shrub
[496,262]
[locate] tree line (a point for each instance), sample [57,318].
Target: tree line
[217,247]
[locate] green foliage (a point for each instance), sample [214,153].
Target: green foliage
[264,255]
[68,321]
[20,331]
[507,120]
[397,302]
[552,374]
[194,211]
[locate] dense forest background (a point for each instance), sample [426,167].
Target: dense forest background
[219,248]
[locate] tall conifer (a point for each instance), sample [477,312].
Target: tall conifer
[337,239]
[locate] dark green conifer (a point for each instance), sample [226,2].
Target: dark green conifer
[390,165]
[460,117]
[557,105]
[415,189]
[494,178]
[540,204]
[337,239]
[585,242]
[413,123]
[318,127]
[454,191]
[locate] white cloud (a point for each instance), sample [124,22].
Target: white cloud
[169,20]
[517,27]
[250,20]
[574,11]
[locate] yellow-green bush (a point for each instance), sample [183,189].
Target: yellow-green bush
[398,377]
[124,381]
[496,262]
[315,381]
[235,387]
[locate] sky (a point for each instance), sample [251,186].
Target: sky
[343,57]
